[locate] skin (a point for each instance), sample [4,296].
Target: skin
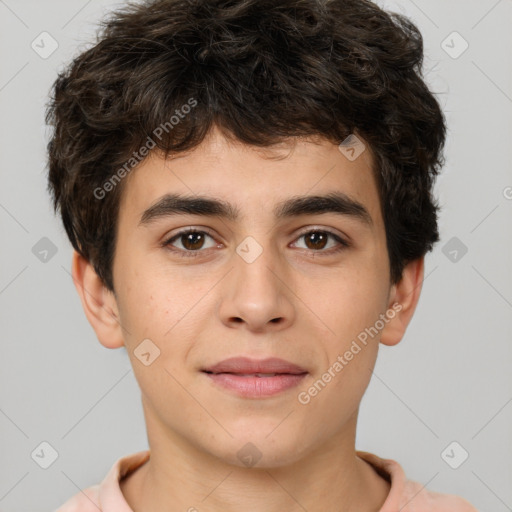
[199,311]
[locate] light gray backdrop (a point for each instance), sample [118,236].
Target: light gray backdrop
[448,381]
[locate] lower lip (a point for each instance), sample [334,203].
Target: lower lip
[256,387]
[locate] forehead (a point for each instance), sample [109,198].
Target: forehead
[253,180]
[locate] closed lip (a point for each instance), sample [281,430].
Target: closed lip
[248,366]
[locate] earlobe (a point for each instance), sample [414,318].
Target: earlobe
[403,300]
[98,302]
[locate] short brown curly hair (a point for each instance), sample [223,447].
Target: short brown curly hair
[262,71]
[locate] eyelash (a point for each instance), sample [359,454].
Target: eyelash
[343,244]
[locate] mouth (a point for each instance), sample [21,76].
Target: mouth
[249,378]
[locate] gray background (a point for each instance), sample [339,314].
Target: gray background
[448,380]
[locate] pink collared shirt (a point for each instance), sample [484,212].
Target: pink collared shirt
[404,495]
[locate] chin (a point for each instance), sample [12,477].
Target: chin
[260,450]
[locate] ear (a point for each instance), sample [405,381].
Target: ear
[403,298]
[99,303]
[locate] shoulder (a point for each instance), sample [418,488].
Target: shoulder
[417,498]
[107,496]
[409,496]
[84,501]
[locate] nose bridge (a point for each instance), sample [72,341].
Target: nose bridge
[255,293]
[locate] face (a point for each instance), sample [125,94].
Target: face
[274,279]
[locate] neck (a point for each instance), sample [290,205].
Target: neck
[180,476]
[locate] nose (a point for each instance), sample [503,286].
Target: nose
[257,295]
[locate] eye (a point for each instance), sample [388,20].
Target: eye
[191,241]
[317,240]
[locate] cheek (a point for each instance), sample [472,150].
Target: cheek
[144,302]
[151,311]
[351,309]
[163,306]
[146,297]
[153,316]
[353,300]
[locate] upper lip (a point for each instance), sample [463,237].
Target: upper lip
[246,365]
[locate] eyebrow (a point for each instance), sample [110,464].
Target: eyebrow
[335,202]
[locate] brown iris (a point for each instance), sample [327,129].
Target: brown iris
[316,240]
[192,241]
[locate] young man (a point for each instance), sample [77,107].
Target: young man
[247,186]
